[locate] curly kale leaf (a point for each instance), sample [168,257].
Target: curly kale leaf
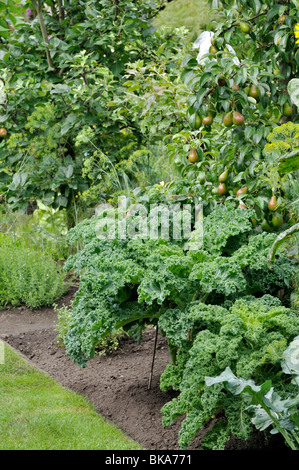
[166,277]
[246,271]
[216,438]
[92,321]
[161,283]
[255,252]
[175,325]
[249,338]
[181,325]
[222,275]
[222,224]
[83,232]
[238,417]
[253,258]
[195,420]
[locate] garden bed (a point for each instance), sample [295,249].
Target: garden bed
[117,384]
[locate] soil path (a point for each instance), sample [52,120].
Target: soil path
[117,384]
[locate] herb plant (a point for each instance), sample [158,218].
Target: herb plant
[28,277]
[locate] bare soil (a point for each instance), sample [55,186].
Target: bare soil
[117,384]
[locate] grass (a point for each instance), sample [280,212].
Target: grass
[193,14]
[36,413]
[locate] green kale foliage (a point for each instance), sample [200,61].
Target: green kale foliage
[216,305]
[249,337]
[269,410]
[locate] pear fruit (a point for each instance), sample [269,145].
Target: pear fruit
[265,226]
[267,114]
[287,109]
[197,121]
[228,120]
[194,120]
[221,188]
[272,204]
[242,191]
[3,132]
[223,177]
[254,92]
[201,177]
[277,220]
[213,50]
[235,87]
[238,119]
[245,27]
[207,120]
[192,157]
[282,19]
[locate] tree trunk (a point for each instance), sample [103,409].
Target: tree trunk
[38,7]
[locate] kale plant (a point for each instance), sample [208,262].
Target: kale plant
[216,306]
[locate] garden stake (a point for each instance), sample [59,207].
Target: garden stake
[153,361]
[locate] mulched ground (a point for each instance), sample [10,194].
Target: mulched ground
[117,384]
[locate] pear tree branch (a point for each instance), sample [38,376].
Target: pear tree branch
[38,7]
[60,11]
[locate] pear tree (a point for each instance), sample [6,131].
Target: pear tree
[238,88]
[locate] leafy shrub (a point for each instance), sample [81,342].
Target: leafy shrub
[73,110]
[28,277]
